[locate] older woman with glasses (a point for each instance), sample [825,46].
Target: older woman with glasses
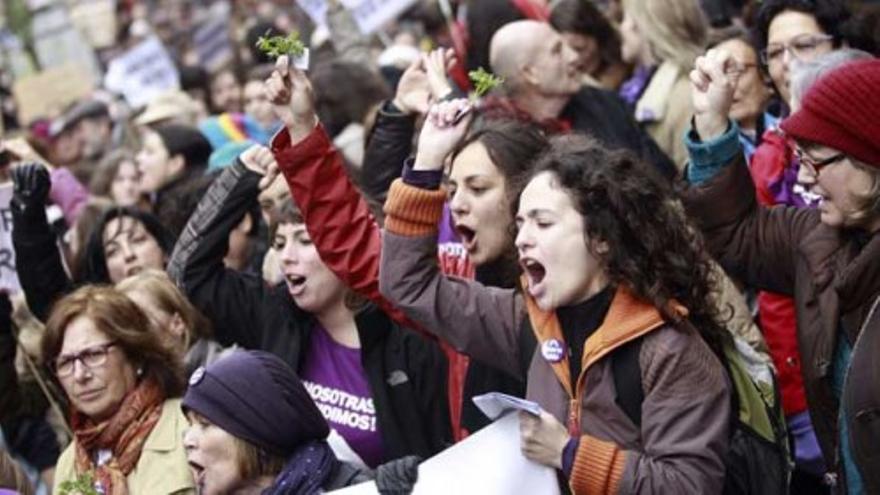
[121,382]
[827,259]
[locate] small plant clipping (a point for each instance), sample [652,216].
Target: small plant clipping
[484,82]
[290,45]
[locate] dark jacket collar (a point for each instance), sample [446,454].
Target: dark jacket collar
[834,255]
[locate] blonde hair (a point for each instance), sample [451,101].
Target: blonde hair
[675,30]
[168,298]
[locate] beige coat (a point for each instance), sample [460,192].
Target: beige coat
[665,111]
[162,468]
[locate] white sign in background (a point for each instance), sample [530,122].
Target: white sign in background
[212,43]
[8,276]
[142,73]
[370,15]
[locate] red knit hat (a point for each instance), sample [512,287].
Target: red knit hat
[842,111]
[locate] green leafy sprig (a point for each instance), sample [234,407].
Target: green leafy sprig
[276,46]
[84,484]
[484,82]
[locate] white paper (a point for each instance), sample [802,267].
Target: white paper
[142,73]
[489,462]
[8,276]
[495,404]
[301,62]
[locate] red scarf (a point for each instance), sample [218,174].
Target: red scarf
[124,434]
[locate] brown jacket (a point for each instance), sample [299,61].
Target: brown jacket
[686,411]
[835,286]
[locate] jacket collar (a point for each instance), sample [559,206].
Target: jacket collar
[653,104]
[831,256]
[166,434]
[627,319]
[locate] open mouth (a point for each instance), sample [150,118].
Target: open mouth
[466,234]
[296,280]
[198,472]
[533,270]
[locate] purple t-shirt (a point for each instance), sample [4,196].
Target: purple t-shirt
[336,380]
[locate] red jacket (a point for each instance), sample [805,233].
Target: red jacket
[349,239]
[776,312]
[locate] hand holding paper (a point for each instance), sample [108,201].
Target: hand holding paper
[543,438]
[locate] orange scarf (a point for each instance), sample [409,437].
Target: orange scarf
[124,434]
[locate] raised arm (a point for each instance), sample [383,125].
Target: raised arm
[339,222]
[480,321]
[390,140]
[38,260]
[232,300]
[756,245]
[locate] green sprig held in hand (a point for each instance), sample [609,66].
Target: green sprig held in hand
[483,82]
[84,484]
[276,46]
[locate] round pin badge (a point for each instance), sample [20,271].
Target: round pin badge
[197,376]
[553,350]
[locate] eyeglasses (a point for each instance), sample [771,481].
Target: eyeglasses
[91,357]
[800,47]
[813,165]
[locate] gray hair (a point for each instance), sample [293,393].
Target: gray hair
[805,74]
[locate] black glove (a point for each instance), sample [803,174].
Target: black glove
[398,476]
[32,184]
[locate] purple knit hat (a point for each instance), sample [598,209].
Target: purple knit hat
[257,397]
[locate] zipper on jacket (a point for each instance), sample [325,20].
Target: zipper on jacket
[574,423]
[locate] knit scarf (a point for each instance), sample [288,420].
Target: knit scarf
[124,434]
[306,470]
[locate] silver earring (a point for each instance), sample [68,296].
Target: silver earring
[140,372]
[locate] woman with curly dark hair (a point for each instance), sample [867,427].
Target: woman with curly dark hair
[613,273]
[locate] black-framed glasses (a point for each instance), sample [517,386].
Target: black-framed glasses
[90,357]
[813,165]
[801,47]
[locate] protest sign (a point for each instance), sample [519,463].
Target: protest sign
[212,43]
[8,276]
[47,93]
[489,462]
[370,15]
[96,20]
[57,42]
[142,73]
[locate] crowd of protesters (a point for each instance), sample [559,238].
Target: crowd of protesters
[661,224]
